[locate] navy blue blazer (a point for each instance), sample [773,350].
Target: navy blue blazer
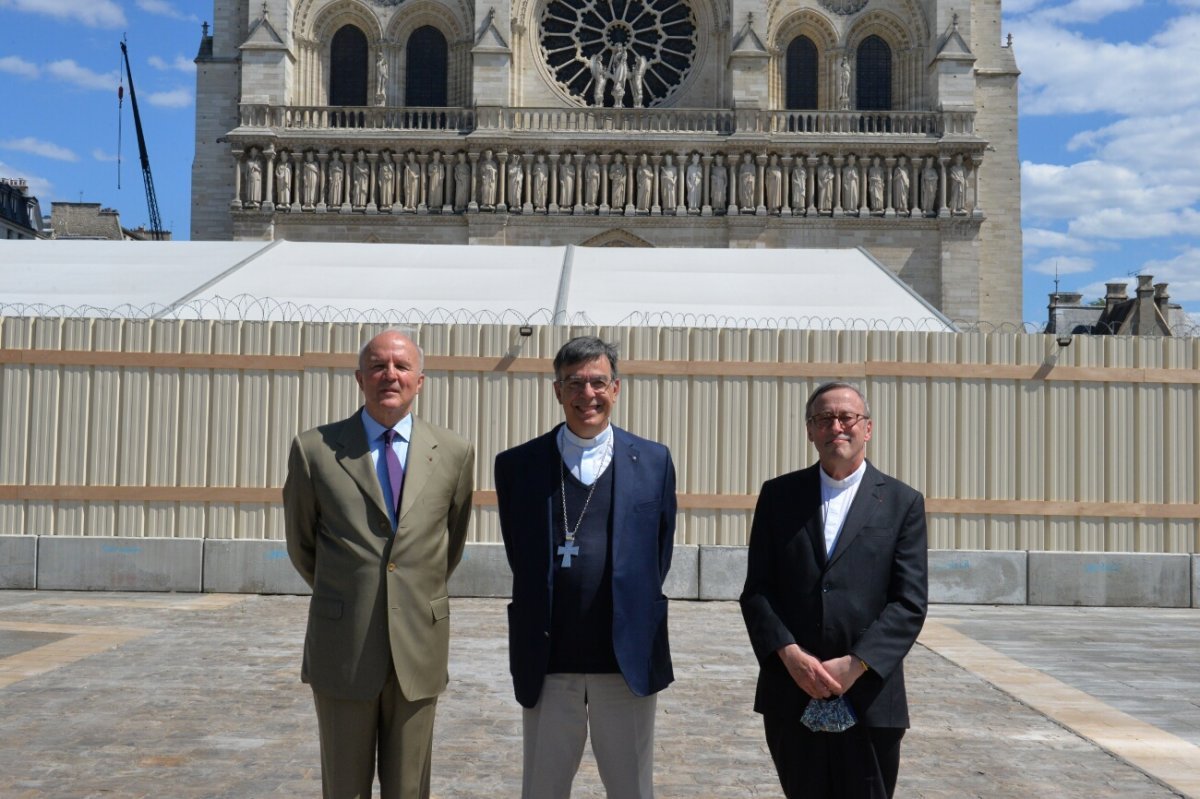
[528,481]
[867,598]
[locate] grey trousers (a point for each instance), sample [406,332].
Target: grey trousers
[622,728]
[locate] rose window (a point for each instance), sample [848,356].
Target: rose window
[622,53]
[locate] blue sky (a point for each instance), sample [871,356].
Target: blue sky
[1110,126]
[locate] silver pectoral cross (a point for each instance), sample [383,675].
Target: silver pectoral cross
[568,551]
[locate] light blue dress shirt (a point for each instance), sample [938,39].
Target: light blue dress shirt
[376,442]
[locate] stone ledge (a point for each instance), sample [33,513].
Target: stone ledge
[86,563]
[18,561]
[722,572]
[1110,579]
[250,567]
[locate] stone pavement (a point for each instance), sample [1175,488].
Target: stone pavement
[185,696]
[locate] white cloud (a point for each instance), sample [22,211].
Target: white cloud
[101,155]
[93,13]
[38,186]
[1084,10]
[158,63]
[15,65]
[1120,223]
[70,72]
[1181,273]
[1043,239]
[34,146]
[176,98]
[179,64]
[165,9]
[1063,265]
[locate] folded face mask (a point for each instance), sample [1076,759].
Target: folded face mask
[828,715]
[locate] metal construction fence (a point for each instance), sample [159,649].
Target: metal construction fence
[116,426]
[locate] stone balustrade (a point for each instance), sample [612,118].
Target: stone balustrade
[272,178]
[719,122]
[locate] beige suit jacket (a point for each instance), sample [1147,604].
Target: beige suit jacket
[378,599]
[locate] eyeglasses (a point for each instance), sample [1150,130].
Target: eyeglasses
[575,385]
[826,420]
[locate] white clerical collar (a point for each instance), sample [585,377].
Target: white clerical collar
[852,479]
[586,458]
[566,437]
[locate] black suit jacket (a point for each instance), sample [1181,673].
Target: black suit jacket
[528,480]
[867,598]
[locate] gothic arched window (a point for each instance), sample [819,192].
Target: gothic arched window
[801,64]
[426,64]
[348,67]
[874,75]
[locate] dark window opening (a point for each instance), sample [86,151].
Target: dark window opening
[348,67]
[801,64]
[426,67]
[874,82]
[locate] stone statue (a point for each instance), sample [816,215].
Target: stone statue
[844,84]
[387,180]
[773,184]
[746,179]
[957,185]
[718,181]
[645,183]
[412,181]
[381,78]
[929,188]
[825,186]
[436,189]
[254,178]
[566,182]
[876,185]
[799,186]
[591,183]
[694,179]
[462,182]
[599,77]
[312,180]
[541,182]
[337,175]
[616,182]
[668,184]
[901,185]
[850,186]
[640,65]
[360,181]
[516,182]
[283,181]
[618,71]
[488,176]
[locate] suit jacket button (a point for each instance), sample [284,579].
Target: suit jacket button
[391,567]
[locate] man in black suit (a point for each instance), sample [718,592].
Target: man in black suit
[835,596]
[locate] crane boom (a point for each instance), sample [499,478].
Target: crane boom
[156,231]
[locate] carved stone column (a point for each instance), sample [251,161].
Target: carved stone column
[914,185]
[810,189]
[268,203]
[236,203]
[943,209]
[785,186]
[502,182]
[373,160]
[706,188]
[655,208]
[838,163]
[760,188]
[578,209]
[322,176]
[731,185]
[976,165]
[552,188]
[889,168]
[681,208]
[347,160]
[297,188]
[605,158]
[630,187]
[423,183]
[863,188]
[527,184]
[473,193]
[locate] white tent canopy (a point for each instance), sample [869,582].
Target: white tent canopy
[809,288]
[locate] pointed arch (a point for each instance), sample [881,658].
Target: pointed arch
[615,238]
[817,29]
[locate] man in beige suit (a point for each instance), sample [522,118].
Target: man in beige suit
[376,510]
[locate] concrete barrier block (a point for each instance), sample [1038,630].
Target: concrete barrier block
[250,567]
[722,572]
[94,563]
[1196,581]
[977,577]
[18,561]
[683,581]
[483,571]
[1110,579]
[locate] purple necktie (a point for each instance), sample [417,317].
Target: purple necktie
[395,469]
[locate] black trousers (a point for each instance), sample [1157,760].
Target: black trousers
[860,763]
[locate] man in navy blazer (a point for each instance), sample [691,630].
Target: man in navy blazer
[835,595]
[587,512]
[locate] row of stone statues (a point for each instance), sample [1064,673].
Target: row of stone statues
[685,183]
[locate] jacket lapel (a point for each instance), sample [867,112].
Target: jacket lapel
[355,457]
[810,513]
[422,460]
[866,501]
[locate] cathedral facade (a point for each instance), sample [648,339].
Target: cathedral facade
[889,125]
